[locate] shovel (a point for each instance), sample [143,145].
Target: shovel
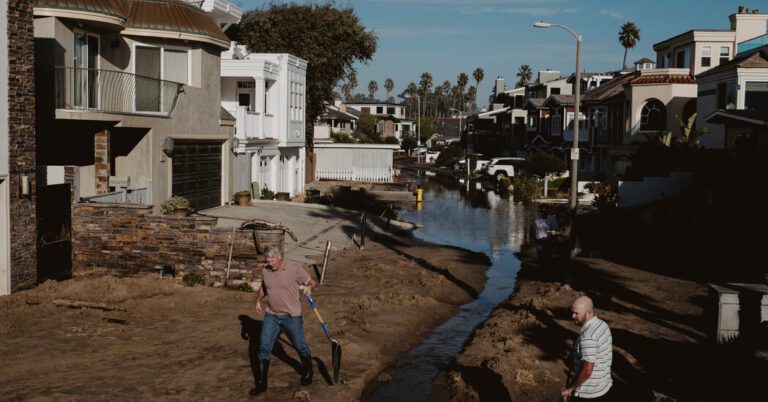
[335,345]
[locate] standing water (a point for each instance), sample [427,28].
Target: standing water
[462,215]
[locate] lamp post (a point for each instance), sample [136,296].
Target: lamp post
[575,146]
[418,125]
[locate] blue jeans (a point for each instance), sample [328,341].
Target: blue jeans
[270,330]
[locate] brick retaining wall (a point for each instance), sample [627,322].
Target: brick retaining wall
[122,239]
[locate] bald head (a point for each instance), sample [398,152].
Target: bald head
[582,310]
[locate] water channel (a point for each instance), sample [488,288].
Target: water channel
[461,214]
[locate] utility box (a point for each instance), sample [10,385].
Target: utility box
[739,308]
[255,190]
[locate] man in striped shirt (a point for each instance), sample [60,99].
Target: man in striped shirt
[592,355]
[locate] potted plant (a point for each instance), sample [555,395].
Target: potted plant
[242,197]
[176,205]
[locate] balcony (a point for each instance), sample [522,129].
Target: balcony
[108,91]
[252,124]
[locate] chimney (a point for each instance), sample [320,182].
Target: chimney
[500,86]
[742,10]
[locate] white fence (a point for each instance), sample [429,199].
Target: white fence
[355,162]
[378,175]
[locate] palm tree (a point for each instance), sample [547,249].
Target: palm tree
[461,83]
[373,86]
[525,73]
[628,37]
[472,97]
[425,85]
[412,89]
[389,85]
[478,75]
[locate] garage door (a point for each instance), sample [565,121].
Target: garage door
[197,173]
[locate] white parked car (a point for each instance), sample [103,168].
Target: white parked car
[502,167]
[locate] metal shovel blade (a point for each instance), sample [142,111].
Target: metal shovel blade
[336,359]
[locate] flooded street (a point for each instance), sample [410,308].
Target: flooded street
[463,215]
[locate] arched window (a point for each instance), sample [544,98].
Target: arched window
[654,116]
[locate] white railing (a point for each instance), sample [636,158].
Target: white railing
[249,124]
[141,196]
[269,127]
[378,175]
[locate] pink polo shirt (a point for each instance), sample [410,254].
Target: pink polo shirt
[282,288]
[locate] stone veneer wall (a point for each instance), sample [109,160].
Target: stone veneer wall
[21,143]
[122,239]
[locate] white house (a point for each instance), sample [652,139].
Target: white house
[267,95]
[391,119]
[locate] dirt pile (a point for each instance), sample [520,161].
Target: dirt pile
[180,343]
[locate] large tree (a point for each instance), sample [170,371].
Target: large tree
[461,83]
[389,85]
[524,72]
[332,39]
[425,86]
[478,75]
[628,37]
[373,86]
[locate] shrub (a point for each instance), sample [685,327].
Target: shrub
[174,203]
[504,183]
[245,287]
[606,196]
[527,188]
[448,155]
[267,194]
[391,140]
[193,278]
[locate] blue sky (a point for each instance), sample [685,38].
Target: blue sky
[447,37]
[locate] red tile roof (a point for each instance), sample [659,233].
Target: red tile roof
[662,79]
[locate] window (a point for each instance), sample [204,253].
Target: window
[725,53]
[682,59]
[246,84]
[379,110]
[706,56]
[176,65]
[86,74]
[653,117]
[365,110]
[557,124]
[756,97]
[582,121]
[390,110]
[726,96]
[665,62]
[554,91]
[244,100]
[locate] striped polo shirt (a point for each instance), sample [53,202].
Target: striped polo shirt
[594,345]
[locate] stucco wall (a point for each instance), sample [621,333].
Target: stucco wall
[673,96]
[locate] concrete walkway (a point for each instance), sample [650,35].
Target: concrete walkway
[313,225]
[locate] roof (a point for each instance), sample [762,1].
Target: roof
[739,117]
[374,103]
[534,103]
[644,60]
[662,79]
[172,19]
[756,58]
[225,115]
[560,100]
[609,89]
[659,44]
[334,114]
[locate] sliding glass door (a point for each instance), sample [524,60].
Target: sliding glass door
[86,73]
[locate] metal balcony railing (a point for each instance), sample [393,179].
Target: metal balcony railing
[114,92]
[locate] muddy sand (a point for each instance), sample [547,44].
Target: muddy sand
[661,351]
[175,342]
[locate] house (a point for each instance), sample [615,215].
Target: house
[391,120]
[267,95]
[336,119]
[733,104]
[700,50]
[18,198]
[131,90]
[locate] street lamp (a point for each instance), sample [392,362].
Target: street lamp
[575,146]
[418,125]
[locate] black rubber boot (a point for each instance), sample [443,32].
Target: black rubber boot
[306,370]
[261,385]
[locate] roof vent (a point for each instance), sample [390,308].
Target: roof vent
[755,11]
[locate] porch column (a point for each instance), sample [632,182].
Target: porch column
[261,106]
[101,160]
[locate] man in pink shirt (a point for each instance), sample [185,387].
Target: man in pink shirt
[280,283]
